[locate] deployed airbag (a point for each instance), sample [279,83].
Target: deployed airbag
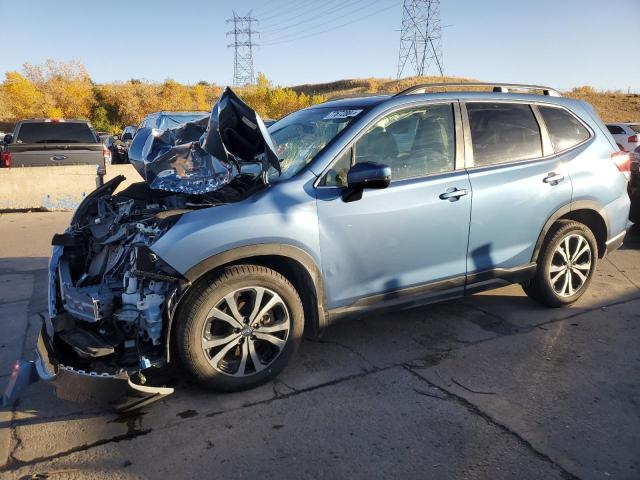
[204,156]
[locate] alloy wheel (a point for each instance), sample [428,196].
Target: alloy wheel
[570,265]
[246,331]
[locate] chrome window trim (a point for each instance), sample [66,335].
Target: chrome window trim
[459,147]
[469,160]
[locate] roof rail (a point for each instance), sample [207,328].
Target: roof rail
[497,87]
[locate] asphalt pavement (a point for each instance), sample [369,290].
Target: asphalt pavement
[490,386]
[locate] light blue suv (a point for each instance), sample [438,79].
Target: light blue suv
[382,202]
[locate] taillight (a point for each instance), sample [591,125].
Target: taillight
[5,159]
[106,154]
[623,162]
[633,139]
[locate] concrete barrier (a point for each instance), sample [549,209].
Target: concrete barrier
[54,188]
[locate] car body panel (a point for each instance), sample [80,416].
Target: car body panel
[392,239]
[511,204]
[282,213]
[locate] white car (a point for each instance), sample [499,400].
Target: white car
[626,135]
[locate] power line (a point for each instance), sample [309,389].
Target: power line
[288,38]
[314,16]
[285,9]
[243,34]
[420,37]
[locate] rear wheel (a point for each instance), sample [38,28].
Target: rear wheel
[241,329]
[566,265]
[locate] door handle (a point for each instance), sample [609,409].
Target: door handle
[553,178]
[453,194]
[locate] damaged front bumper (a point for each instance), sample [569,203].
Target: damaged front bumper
[118,391]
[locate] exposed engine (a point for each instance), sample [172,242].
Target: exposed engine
[114,293]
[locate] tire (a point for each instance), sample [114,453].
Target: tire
[558,282]
[229,351]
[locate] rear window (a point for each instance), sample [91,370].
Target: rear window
[55,132]
[565,131]
[615,130]
[635,128]
[503,132]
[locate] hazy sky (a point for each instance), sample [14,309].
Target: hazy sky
[559,43]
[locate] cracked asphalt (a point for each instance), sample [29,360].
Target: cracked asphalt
[491,386]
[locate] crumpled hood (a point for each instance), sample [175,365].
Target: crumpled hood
[204,156]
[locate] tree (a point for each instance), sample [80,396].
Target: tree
[23,98]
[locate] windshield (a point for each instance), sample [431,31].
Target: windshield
[60,132]
[300,136]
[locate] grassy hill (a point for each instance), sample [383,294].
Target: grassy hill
[612,106]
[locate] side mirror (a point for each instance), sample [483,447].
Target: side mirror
[116,137]
[365,175]
[8,138]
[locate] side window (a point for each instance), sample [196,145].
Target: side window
[503,132]
[615,130]
[564,129]
[337,174]
[414,142]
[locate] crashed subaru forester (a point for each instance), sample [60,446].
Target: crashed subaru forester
[241,238]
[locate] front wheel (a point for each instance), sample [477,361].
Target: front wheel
[240,330]
[566,265]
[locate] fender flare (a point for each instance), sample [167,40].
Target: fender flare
[289,252]
[562,211]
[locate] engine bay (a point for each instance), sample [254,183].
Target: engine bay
[113,295]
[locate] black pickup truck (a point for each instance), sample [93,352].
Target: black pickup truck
[44,143]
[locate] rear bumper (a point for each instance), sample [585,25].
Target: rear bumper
[616,242]
[103,389]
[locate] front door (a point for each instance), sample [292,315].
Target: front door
[410,234]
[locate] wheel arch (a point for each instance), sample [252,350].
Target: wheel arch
[292,262]
[584,211]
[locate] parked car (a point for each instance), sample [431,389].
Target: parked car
[54,142]
[165,119]
[627,135]
[127,134]
[634,187]
[362,204]
[117,148]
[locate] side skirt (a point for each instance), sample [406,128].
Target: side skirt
[435,292]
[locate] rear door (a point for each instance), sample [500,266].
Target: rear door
[517,183]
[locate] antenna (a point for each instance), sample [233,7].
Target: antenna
[420,38]
[243,34]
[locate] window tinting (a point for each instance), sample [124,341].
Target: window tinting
[615,130]
[503,132]
[564,129]
[56,132]
[414,143]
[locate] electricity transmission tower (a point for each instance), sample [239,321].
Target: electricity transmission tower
[243,34]
[420,38]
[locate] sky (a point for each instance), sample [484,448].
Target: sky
[558,43]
